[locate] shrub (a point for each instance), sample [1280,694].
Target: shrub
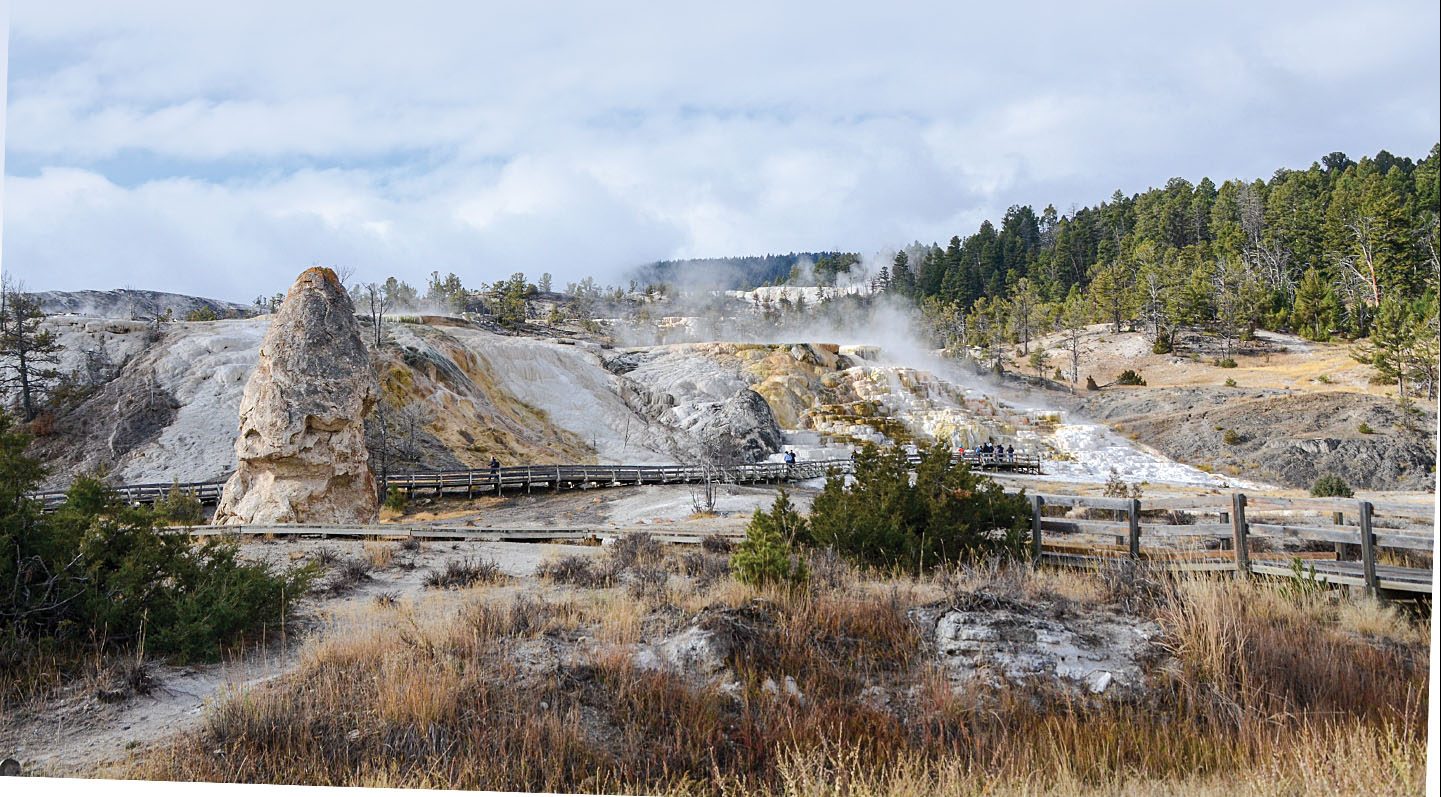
[1365,428]
[349,574]
[396,499]
[1230,382]
[648,583]
[579,571]
[1225,362]
[201,314]
[179,508]
[1161,346]
[1330,485]
[1130,377]
[1231,437]
[1324,379]
[949,514]
[765,555]
[1116,487]
[464,573]
[705,568]
[632,550]
[715,543]
[97,572]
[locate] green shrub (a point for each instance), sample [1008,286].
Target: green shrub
[1365,428]
[200,314]
[1162,346]
[1130,377]
[1324,379]
[1331,486]
[1225,362]
[180,508]
[766,555]
[1230,382]
[1302,585]
[396,499]
[949,514]
[1231,437]
[97,573]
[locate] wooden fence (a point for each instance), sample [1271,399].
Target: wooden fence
[1383,547]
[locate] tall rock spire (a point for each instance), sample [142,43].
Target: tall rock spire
[301,448]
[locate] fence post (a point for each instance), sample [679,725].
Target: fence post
[1133,514]
[1036,503]
[1368,549]
[1238,534]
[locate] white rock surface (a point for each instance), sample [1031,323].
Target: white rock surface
[1089,653]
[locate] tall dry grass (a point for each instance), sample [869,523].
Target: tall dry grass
[1260,695]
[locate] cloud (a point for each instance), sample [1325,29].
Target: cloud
[222,152]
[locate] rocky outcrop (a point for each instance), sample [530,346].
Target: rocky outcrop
[1286,438]
[301,450]
[743,426]
[997,640]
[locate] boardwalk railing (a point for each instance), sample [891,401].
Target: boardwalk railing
[1383,547]
[481,481]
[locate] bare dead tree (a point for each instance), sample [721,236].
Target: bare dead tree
[1353,287]
[378,303]
[1363,229]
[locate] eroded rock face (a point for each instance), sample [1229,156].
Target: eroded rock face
[301,449]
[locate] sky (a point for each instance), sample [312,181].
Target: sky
[220,149]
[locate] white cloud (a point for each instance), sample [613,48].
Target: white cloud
[584,138]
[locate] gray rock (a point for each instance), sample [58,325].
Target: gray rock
[301,449]
[1086,654]
[744,420]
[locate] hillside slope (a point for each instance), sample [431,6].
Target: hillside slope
[1297,409]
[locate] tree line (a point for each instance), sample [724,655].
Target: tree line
[1344,249]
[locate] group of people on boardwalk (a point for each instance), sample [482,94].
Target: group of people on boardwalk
[991,451]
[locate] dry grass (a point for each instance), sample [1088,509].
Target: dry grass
[380,554]
[1262,695]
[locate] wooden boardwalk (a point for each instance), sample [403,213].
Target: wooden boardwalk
[527,478]
[1385,548]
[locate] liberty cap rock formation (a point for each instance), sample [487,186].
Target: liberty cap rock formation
[301,448]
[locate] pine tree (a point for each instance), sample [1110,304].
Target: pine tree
[901,277]
[29,354]
[1314,312]
[1392,337]
[1024,301]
